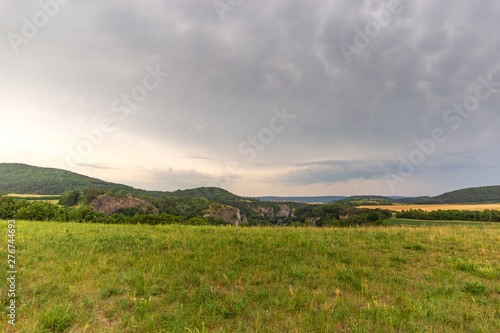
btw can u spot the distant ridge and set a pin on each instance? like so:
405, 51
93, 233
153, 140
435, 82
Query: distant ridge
318, 199
328, 198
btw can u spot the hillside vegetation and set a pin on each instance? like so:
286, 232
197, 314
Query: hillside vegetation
130, 278
485, 194
253, 209
199, 203
183, 210
26, 179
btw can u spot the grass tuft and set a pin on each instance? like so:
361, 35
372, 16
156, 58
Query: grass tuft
57, 319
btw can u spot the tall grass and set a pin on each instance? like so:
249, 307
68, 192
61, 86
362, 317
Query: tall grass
137, 278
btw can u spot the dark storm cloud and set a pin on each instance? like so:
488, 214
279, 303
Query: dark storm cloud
226, 77
327, 172
332, 171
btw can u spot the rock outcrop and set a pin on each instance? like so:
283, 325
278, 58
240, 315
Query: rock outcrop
109, 205
226, 213
267, 211
285, 211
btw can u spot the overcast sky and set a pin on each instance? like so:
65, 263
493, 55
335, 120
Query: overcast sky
283, 97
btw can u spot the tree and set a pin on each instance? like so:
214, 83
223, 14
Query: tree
69, 198
91, 194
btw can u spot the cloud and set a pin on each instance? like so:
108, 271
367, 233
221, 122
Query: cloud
198, 157
332, 171
173, 179
95, 166
226, 77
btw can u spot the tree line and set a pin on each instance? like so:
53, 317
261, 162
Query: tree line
450, 215
183, 210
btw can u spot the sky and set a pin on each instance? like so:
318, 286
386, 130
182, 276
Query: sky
282, 97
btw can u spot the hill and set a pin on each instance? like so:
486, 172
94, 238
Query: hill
251, 208
485, 194
26, 179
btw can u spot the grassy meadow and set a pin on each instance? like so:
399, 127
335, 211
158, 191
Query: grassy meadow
413, 222
140, 278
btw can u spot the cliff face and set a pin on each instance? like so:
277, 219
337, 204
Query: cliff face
226, 213
109, 205
284, 211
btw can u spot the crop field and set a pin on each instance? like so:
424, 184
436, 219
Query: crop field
138, 278
32, 195
54, 199
428, 208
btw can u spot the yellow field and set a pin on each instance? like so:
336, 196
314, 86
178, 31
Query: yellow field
55, 201
30, 195
429, 208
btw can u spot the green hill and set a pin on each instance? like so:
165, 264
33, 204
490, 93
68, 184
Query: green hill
250, 207
472, 195
27, 179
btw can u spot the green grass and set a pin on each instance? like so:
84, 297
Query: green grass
411, 222
138, 278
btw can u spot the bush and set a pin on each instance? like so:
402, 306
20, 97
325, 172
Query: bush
7, 208
198, 221
36, 211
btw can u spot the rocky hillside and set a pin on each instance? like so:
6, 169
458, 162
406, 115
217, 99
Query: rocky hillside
283, 211
109, 205
226, 213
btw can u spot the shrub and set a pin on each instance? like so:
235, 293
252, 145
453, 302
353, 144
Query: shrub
36, 211
7, 208
198, 221
56, 320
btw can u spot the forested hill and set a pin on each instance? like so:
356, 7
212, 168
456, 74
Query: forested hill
485, 194
26, 179
471, 195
